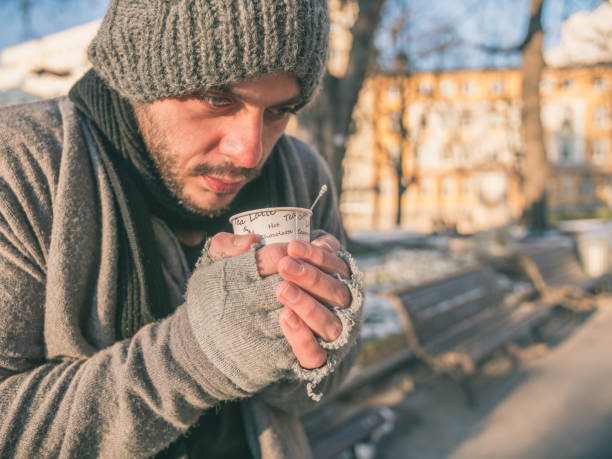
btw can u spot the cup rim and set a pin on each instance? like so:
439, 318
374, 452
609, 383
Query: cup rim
301, 210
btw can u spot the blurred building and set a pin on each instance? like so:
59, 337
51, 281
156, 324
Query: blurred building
46, 67
343, 15
443, 150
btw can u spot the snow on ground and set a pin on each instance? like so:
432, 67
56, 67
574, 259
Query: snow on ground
401, 267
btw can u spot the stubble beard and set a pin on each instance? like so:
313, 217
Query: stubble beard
167, 165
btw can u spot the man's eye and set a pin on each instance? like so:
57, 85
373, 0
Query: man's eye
281, 112
216, 101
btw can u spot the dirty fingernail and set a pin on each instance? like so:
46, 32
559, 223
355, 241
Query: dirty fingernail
290, 292
293, 267
324, 245
292, 319
300, 249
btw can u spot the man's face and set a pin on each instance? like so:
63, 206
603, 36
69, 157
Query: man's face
207, 146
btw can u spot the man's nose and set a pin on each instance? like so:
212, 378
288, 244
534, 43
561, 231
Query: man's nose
242, 144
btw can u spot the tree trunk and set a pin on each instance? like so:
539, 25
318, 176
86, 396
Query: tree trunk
535, 166
328, 118
399, 164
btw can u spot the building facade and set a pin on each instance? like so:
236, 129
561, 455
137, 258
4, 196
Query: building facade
442, 151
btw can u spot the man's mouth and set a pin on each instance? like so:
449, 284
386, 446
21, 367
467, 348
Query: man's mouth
223, 185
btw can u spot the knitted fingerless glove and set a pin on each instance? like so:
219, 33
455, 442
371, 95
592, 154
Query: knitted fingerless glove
233, 313
234, 316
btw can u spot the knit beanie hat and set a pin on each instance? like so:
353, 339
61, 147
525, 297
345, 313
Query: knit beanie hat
152, 49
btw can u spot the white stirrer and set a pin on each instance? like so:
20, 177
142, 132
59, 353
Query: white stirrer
321, 193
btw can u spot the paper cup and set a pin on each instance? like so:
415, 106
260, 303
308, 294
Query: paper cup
274, 224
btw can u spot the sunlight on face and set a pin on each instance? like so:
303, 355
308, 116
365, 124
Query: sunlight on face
207, 146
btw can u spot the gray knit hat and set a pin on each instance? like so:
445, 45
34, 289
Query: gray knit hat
151, 49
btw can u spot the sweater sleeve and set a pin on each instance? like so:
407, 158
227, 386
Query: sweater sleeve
129, 400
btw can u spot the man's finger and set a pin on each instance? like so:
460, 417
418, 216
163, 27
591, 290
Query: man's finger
318, 257
327, 242
267, 258
325, 288
316, 316
302, 341
224, 245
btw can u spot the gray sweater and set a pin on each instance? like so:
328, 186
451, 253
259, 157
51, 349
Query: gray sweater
67, 389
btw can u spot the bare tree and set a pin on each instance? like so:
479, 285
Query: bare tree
536, 169
401, 70
25, 7
328, 118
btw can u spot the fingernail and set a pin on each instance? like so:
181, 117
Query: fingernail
324, 245
293, 267
300, 249
290, 292
292, 319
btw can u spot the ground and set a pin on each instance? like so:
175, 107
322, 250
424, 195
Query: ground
546, 399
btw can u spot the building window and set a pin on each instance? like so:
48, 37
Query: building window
468, 88
448, 185
395, 120
420, 154
601, 150
426, 188
566, 188
394, 93
602, 117
467, 186
462, 154
567, 83
425, 88
497, 87
588, 187
395, 151
495, 118
386, 186
547, 85
567, 140
423, 121
466, 119
448, 88
601, 83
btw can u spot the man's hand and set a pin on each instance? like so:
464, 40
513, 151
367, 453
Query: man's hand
308, 291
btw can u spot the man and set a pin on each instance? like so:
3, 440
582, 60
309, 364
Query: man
132, 323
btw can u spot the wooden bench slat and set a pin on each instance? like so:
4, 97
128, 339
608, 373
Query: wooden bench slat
503, 330
559, 266
327, 442
465, 314
435, 325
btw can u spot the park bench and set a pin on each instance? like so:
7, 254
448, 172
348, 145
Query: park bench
341, 422
455, 323
339, 426
345, 421
452, 324
557, 274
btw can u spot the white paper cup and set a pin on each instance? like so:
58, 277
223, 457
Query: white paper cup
274, 224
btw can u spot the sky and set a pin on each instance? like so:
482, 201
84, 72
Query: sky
46, 17
495, 22
500, 23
